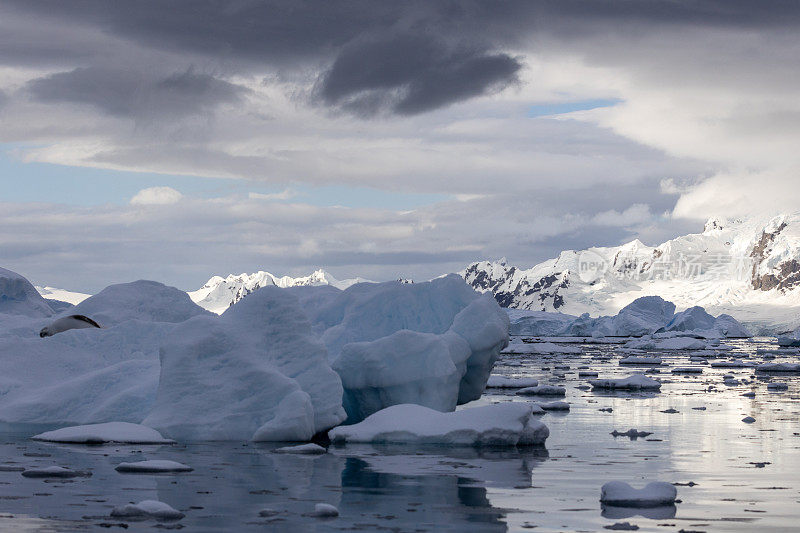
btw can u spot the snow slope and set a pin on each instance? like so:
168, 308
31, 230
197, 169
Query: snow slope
749, 269
220, 293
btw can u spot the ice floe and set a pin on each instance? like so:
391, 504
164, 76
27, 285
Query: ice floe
153, 466
147, 509
120, 432
506, 382
503, 424
632, 382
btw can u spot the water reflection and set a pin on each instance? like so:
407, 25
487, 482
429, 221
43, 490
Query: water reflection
374, 487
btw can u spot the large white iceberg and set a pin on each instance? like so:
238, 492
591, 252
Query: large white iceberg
503, 424
256, 372
432, 343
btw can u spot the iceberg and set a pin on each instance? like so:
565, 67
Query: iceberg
432, 343
257, 372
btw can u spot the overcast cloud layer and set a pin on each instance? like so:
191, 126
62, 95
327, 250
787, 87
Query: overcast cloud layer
407, 97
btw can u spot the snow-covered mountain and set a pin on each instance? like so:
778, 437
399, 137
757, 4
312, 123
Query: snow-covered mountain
749, 269
62, 295
220, 293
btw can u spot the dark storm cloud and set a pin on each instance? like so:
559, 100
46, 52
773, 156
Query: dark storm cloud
127, 93
402, 57
411, 74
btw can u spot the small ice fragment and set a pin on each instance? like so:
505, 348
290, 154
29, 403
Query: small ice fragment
555, 406
153, 466
748, 420
655, 494
632, 433
54, 471
777, 386
303, 449
325, 510
543, 390
622, 526
148, 509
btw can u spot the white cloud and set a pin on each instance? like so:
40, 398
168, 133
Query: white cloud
285, 194
156, 196
635, 214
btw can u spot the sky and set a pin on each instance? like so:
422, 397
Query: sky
179, 140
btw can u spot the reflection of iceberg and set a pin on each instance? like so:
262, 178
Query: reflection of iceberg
427, 500
509, 468
654, 513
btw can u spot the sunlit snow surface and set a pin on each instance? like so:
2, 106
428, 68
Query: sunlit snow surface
744, 475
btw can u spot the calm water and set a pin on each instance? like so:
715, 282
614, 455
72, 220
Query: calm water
745, 477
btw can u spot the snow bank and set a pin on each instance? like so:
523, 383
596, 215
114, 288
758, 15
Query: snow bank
432, 343
19, 297
256, 372
632, 382
504, 424
122, 432
655, 494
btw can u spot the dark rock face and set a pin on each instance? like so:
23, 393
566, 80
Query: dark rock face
787, 274
511, 292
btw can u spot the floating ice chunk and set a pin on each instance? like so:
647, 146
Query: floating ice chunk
324, 510
777, 386
655, 494
622, 526
735, 363
54, 472
503, 424
147, 509
506, 382
640, 360
748, 420
687, 370
153, 466
587, 374
256, 372
122, 432
631, 433
543, 390
632, 382
303, 449
555, 406
779, 367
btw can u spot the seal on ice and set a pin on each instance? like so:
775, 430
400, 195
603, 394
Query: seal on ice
68, 322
